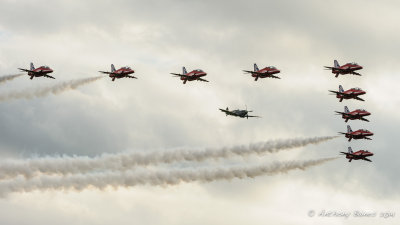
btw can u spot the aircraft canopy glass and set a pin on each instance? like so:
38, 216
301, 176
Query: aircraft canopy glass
198, 70
272, 67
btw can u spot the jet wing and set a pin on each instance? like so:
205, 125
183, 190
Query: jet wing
343, 113
355, 73
336, 92
367, 159
48, 76
335, 68
364, 119
272, 76
248, 71
25, 70
201, 79
179, 75
105, 72
131, 76
360, 99
261, 74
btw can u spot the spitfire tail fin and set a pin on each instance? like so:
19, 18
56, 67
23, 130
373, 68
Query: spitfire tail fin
112, 68
346, 110
336, 64
341, 88
350, 150
184, 72
32, 66
255, 68
349, 130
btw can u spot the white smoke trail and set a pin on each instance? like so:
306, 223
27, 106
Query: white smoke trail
6, 78
55, 89
124, 161
129, 178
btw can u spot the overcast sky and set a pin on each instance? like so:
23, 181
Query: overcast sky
157, 112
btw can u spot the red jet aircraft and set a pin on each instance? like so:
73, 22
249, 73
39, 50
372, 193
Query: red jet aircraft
360, 154
268, 71
352, 93
38, 72
120, 73
348, 68
193, 75
357, 114
358, 134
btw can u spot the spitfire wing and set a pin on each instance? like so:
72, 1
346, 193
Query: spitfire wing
254, 116
225, 111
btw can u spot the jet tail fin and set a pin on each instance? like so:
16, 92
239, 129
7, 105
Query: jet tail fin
255, 68
341, 88
350, 150
184, 72
346, 110
349, 130
32, 66
112, 68
336, 64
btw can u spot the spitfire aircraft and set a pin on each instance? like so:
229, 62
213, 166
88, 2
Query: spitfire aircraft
360, 154
352, 93
191, 76
357, 114
38, 72
358, 134
243, 113
120, 73
268, 71
348, 68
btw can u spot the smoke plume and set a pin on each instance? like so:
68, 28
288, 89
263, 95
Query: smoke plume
6, 78
124, 161
55, 89
162, 178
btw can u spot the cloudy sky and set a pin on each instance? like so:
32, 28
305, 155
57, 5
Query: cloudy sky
158, 113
